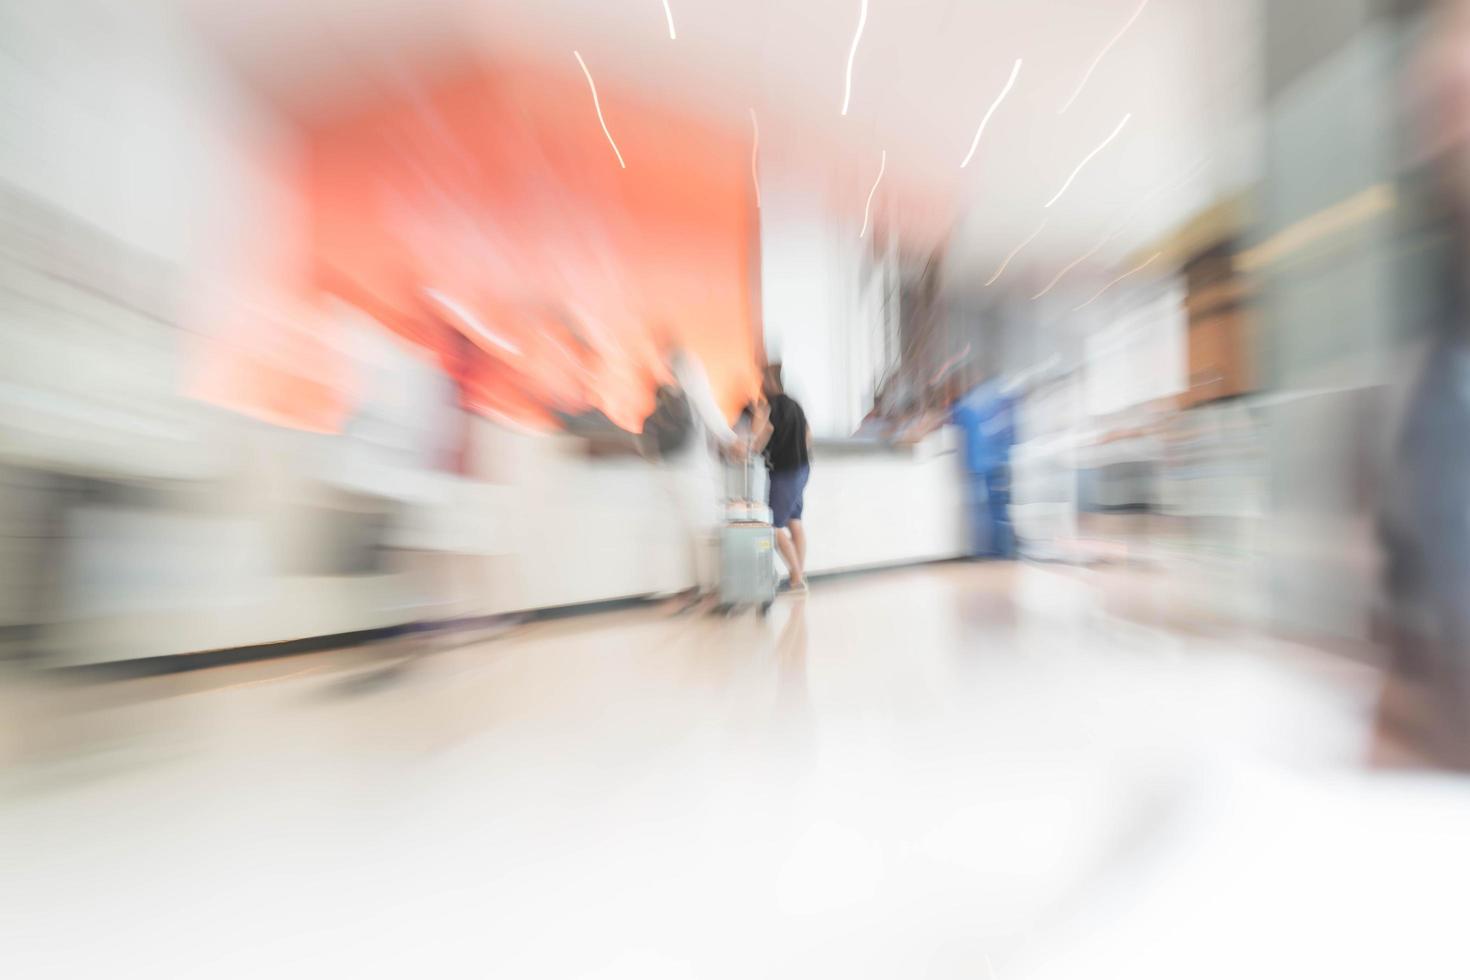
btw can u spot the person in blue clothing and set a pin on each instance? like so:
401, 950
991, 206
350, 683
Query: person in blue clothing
986, 416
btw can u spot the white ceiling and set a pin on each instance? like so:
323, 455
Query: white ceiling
924, 74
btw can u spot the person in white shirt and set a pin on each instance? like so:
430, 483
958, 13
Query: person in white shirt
695, 472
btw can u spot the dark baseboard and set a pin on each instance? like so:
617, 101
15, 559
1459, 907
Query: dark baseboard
176, 663
589, 608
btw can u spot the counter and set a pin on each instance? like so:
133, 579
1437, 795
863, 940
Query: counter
542, 524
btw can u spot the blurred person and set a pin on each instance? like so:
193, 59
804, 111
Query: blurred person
787, 449
1426, 520
985, 417
670, 426
690, 435
710, 422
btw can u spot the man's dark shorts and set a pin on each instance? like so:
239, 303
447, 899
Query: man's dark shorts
788, 487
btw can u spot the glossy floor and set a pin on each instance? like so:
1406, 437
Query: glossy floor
948, 771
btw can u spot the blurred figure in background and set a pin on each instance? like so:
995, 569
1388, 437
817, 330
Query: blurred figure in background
669, 427
1427, 520
691, 436
692, 379
986, 417
787, 451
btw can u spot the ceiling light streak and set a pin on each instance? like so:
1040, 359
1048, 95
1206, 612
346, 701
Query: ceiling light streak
1136, 269
1016, 251
1100, 56
1076, 262
755, 148
669, 15
1016, 70
1133, 214
1087, 159
868, 208
852, 53
598, 106
1122, 226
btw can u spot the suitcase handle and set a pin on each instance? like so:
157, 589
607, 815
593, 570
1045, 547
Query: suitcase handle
749, 447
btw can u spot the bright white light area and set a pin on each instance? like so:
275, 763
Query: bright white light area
831, 867
669, 16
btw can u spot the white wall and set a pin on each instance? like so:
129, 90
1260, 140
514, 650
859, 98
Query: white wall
822, 313
132, 125
152, 191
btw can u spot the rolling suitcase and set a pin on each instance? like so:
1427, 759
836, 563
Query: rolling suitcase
747, 551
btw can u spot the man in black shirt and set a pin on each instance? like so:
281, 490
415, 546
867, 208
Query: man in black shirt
787, 455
